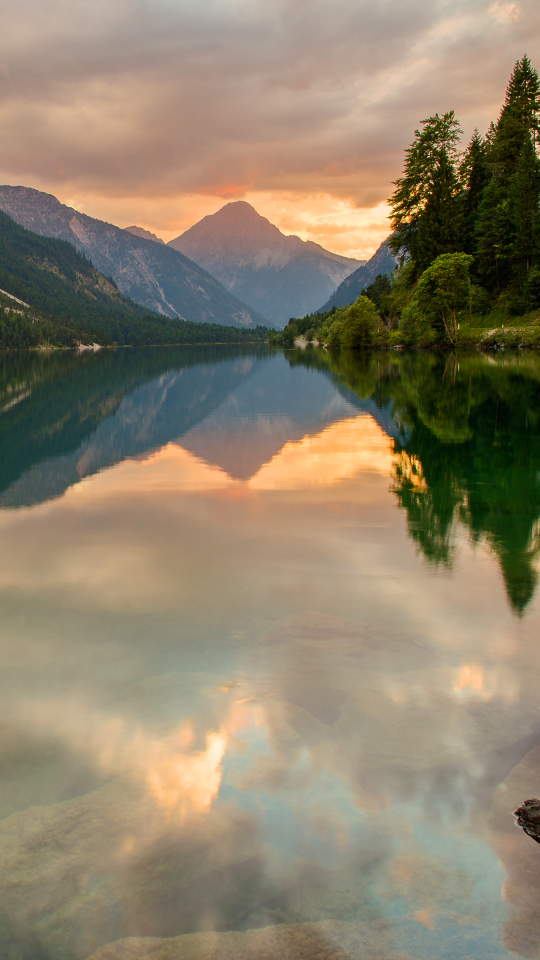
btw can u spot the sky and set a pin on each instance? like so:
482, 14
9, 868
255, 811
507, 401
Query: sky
157, 112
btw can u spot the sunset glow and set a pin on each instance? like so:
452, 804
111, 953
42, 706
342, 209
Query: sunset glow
338, 453
302, 112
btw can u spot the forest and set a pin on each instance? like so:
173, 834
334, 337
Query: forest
66, 301
466, 231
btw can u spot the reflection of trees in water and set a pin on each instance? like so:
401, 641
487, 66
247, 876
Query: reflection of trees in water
475, 435
468, 450
431, 518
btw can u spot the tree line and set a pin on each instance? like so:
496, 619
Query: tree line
466, 231
71, 302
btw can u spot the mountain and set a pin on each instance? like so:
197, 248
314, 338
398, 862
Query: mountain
152, 274
145, 234
382, 261
50, 294
279, 276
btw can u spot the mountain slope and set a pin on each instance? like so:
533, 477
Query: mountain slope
382, 261
50, 293
154, 275
145, 234
279, 276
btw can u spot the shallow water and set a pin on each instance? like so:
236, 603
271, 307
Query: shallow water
269, 655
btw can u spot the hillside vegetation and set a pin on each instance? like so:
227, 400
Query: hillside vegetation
466, 231
66, 301
155, 276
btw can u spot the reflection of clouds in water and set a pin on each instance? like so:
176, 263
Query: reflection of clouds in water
174, 777
471, 677
146, 853
520, 857
108, 864
180, 765
337, 742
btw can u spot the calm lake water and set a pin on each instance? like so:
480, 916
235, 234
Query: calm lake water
269, 655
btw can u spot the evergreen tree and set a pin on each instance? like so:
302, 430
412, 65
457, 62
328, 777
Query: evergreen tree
475, 174
518, 120
506, 228
524, 191
493, 231
439, 228
426, 202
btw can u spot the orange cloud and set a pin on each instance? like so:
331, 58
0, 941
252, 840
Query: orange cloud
156, 113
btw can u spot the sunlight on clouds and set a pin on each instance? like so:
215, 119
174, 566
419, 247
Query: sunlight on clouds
338, 225
157, 114
505, 11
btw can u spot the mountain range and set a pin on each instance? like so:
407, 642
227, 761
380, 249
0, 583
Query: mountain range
383, 261
233, 267
52, 296
152, 274
279, 276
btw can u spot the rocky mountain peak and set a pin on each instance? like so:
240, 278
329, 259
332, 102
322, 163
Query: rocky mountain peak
144, 234
281, 276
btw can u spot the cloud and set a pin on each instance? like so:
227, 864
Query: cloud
170, 100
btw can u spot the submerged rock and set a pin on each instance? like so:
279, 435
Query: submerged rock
528, 818
303, 941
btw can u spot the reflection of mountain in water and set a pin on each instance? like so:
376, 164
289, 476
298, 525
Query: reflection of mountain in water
51, 406
271, 409
467, 440
236, 411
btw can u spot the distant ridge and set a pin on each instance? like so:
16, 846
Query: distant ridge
152, 274
50, 294
144, 234
279, 276
383, 261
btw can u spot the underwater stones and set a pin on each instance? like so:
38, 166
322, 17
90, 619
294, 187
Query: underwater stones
519, 859
329, 940
528, 818
110, 864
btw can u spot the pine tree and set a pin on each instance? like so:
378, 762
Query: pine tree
439, 228
475, 174
426, 202
506, 228
494, 236
524, 195
518, 120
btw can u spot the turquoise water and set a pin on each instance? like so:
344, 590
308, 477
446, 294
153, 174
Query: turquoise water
269, 655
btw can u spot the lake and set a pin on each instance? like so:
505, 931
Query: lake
269, 655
